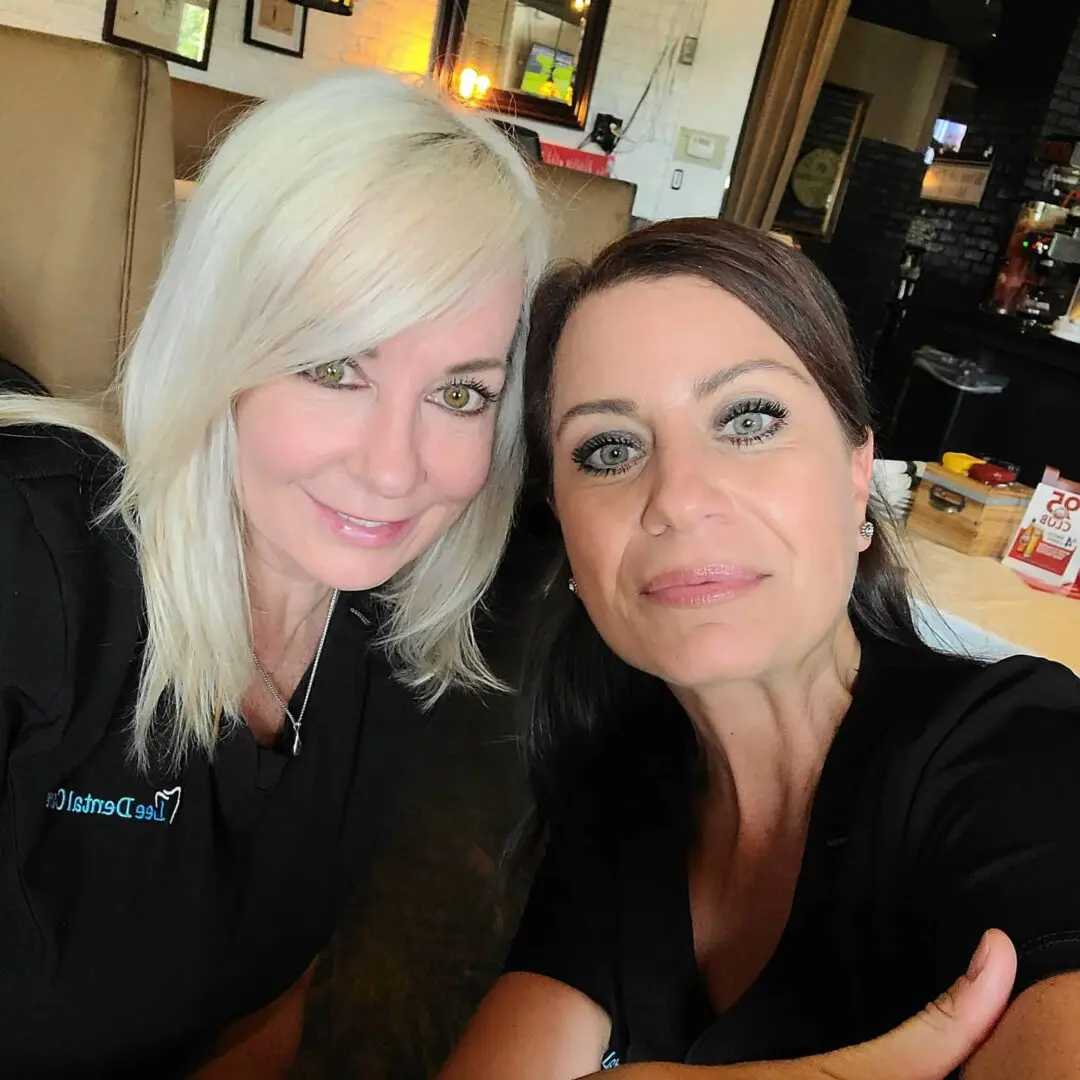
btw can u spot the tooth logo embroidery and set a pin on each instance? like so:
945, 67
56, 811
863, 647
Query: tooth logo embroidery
162, 810
167, 801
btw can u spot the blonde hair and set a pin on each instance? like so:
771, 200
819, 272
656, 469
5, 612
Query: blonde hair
327, 221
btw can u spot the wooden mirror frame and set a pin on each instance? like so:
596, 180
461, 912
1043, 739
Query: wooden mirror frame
446, 49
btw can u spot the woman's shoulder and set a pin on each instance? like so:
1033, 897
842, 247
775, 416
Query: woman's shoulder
36, 453
63, 479
932, 690
65, 577
1024, 704
952, 717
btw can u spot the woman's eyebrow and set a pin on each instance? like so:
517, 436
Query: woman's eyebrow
709, 384
703, 388
611, 406
482, 364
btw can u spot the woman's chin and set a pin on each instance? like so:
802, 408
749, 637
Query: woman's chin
710, 655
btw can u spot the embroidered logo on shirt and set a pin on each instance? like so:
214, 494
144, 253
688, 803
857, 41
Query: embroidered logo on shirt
611, 1061
162, 809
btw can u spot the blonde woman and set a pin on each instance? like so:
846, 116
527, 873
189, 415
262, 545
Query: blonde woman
216, 621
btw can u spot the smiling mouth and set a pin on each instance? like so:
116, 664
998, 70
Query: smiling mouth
368, 523
364, 531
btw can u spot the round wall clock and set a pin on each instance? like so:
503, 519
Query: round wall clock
814, 176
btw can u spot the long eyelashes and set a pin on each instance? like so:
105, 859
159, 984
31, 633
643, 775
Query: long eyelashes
741, 424
607, 454
756, 427
484, 392
335, 375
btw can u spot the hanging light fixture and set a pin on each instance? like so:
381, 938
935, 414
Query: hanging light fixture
335, 7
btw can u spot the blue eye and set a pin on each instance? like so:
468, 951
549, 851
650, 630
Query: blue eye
607, 454
751, 421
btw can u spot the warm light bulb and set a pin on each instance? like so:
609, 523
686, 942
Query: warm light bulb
579, 5
471, 84
467, 81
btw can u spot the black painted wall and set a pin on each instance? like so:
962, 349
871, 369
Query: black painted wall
1015, 111
863, 258
1029, 89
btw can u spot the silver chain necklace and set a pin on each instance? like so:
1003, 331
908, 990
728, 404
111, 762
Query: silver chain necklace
296, 721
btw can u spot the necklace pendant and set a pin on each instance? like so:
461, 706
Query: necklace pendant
297, 745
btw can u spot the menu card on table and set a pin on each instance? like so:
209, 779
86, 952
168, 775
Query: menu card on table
1045, 548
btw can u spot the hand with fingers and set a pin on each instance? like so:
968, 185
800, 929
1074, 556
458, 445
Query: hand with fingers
929, 1046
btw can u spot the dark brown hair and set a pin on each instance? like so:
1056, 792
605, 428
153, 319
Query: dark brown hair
576, 682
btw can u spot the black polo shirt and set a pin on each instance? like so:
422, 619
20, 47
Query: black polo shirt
140, 914
949, 803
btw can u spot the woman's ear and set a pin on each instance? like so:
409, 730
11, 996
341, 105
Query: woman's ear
862, 475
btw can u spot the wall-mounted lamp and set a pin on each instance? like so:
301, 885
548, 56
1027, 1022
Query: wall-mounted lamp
335, 7
471, 84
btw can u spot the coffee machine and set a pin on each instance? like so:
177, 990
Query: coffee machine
1039, 275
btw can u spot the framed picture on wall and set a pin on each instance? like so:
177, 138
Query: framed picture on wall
178, 30
277, 25
819, 178
956, 181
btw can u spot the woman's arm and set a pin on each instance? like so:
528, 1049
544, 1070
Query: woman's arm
1038, 1037
533, 1028
262, 1046
530, 1027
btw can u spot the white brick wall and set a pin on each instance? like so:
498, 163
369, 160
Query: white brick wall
396, 34
709, 96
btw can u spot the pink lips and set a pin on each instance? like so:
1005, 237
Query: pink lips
361, 532
701, 585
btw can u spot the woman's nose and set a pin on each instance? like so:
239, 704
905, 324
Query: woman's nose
688, 485
387, 459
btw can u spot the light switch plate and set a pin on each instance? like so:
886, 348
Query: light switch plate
701, 148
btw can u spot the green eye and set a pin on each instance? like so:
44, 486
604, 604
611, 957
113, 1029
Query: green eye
331, 373
457, 397
466, 398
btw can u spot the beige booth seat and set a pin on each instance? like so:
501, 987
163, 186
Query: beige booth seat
587, 212
93, 137
85, 202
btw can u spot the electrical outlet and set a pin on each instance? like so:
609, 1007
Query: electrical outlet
606, 131
688, 50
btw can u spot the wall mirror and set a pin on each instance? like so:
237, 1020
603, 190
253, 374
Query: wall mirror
529, 59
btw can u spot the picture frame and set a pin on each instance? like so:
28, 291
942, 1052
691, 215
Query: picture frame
815, 191
447, 59
956, 181
177, 30
276, 25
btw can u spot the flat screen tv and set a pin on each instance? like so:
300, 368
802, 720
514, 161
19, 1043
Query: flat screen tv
549, 73
949, 134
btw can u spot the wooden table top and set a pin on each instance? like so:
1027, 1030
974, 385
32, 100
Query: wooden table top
985, 593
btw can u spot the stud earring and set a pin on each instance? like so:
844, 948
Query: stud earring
866, 530
572, 586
